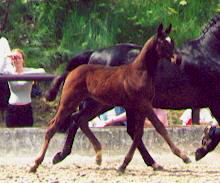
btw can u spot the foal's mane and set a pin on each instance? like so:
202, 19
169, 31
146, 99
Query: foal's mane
148, 50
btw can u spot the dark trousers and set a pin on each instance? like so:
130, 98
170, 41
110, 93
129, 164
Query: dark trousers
19, 116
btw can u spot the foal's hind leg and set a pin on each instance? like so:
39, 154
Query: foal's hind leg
160, 128
66, 107
51, 130
88, 111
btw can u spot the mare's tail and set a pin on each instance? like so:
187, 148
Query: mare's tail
82, 58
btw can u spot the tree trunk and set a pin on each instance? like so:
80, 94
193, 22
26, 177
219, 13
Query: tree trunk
5, 19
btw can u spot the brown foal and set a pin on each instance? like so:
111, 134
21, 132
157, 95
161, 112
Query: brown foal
130, 86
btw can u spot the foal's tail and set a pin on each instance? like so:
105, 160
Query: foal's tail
55, 86
82, 58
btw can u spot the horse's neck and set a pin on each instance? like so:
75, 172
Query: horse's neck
209, 41
148, 57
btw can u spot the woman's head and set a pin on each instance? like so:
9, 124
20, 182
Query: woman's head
20, 52
17, 58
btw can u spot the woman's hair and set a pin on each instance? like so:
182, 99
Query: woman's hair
21, 52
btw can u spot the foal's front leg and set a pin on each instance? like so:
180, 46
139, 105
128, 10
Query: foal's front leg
149, 161
160, 128
138, 133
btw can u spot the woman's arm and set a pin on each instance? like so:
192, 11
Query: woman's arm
5, 62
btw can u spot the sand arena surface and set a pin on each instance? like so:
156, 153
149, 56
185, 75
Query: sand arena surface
78, 168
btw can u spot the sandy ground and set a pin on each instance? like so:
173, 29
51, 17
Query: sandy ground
78, 168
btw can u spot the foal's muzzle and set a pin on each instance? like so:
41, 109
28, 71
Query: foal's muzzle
176, 58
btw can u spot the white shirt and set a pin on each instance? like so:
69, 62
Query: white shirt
21, 90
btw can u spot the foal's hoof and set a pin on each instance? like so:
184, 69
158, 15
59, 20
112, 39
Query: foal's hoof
33, 169
57, 158
187, 160
99, 161
200, 153
99, 157
121, 169
157, 167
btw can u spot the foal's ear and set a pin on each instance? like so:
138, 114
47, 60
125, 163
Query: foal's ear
168, 29
160, 29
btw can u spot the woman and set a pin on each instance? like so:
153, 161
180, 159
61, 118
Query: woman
19, 111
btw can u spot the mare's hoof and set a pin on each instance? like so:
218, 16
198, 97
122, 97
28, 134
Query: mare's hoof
206, 138
57, 158
187, 160
200, 153
209, 142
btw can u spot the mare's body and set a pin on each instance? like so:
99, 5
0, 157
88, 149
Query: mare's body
120, 86
196, 83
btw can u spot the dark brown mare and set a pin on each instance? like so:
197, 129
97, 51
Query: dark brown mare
130, 86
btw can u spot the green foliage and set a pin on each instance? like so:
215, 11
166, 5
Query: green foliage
48, 28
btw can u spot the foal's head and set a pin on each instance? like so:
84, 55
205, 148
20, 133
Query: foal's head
164, 44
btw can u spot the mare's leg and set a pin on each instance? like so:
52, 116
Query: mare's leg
138, 119
141, 147
2, 115
211, 135
160, 128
